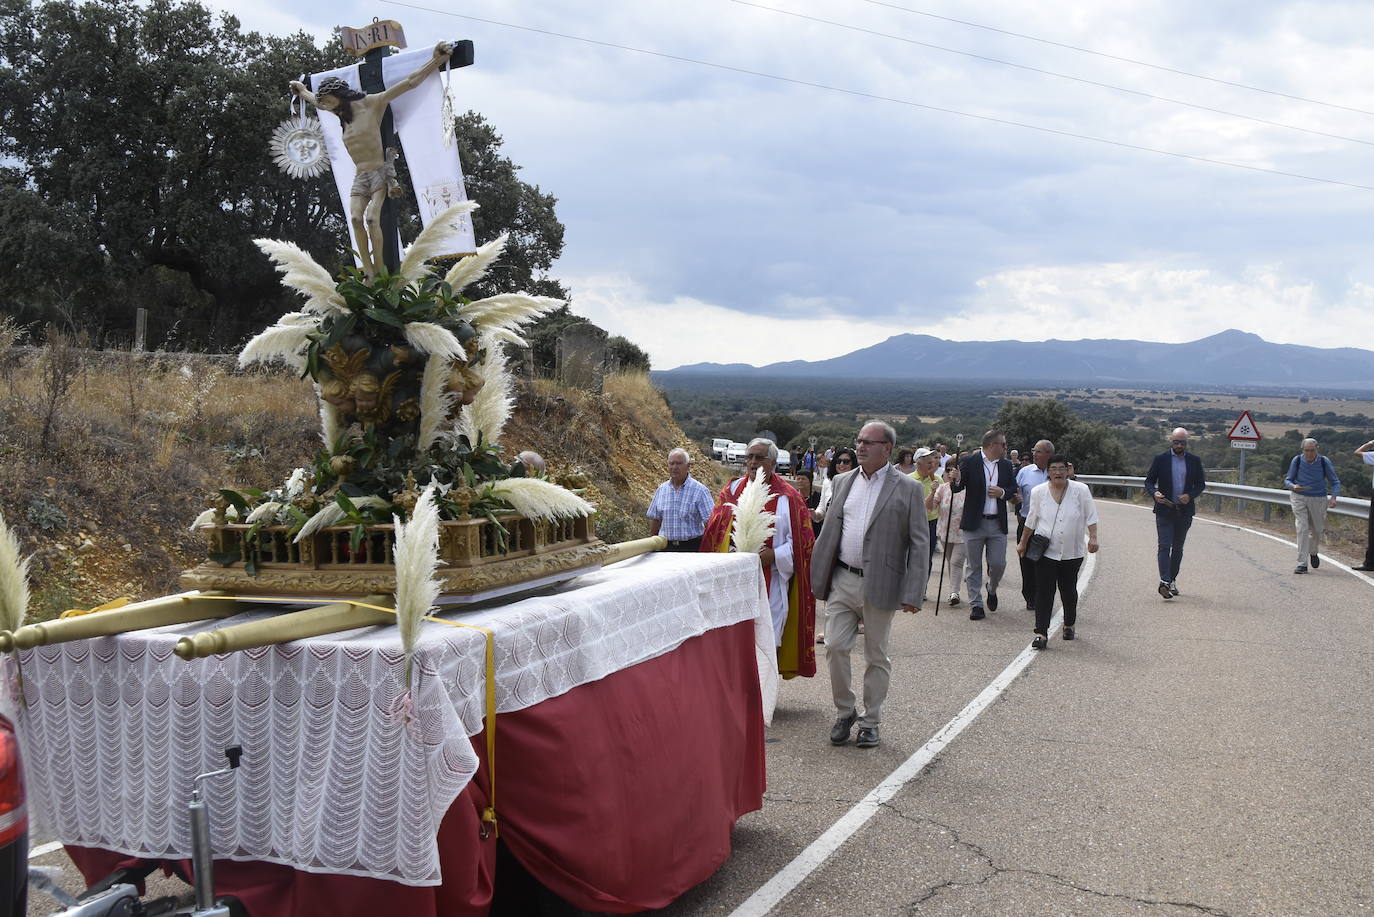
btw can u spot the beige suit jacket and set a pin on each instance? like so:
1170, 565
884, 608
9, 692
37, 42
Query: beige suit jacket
896, 544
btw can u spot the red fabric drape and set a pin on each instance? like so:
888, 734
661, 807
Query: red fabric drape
618, 796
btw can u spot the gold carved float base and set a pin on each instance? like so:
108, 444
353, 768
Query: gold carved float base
478, 559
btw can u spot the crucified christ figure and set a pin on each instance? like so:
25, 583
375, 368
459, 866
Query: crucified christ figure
361, 116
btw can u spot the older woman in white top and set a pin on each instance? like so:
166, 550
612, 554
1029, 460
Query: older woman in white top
1063, 510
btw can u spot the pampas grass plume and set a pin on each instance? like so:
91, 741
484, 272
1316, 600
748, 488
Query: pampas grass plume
431, 241
435, 340
417, 557
14, 580
536, 498
487, 415
475, 266
753, 523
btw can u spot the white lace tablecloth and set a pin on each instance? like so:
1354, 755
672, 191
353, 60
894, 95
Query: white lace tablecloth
332, 779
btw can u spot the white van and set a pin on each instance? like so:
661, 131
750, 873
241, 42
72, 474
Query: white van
784, 465
718, 447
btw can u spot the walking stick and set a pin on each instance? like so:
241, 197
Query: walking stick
944, 555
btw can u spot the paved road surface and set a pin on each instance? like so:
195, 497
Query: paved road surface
1208, 755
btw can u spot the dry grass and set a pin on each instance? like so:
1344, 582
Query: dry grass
137, 443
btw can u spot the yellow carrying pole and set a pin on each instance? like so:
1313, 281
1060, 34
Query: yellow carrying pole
295, 625
159, 612
627, 549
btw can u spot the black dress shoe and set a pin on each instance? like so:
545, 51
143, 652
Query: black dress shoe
839, 733
976, 613
992, 600
1068, 633
867, 737
1365, 567
1316, 561
1039, 643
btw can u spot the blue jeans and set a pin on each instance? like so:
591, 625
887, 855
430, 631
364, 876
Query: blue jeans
1172, 527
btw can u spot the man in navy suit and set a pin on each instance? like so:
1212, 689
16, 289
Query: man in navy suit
1175, 482
989, 480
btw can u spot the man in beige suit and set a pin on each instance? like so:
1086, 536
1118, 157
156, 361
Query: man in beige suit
871, 559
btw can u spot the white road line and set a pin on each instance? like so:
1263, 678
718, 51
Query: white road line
809, 860
44, 849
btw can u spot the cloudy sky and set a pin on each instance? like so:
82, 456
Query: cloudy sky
795, 179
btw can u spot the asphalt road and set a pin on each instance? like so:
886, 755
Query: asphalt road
1211, 754
1207, 755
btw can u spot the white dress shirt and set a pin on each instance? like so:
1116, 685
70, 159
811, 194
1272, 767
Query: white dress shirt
1066, 523
990, 478
858, 507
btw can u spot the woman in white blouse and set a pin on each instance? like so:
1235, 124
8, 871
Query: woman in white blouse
1064, 511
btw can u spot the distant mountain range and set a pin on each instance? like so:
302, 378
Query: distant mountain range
1231, 358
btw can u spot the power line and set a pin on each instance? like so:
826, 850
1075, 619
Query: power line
1062, 76
881, 98
1124, 60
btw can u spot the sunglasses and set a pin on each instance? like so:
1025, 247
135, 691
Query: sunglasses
1178, 442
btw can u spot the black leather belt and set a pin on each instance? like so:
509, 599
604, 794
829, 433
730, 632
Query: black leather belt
857, 571
696, 540
992, 516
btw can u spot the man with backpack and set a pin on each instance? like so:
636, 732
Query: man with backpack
1308, 476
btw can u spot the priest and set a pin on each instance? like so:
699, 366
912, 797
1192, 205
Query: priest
786, 558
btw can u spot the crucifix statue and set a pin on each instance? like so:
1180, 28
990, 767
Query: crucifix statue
360, 115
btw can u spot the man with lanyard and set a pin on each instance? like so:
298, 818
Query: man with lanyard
1175, 481
786, 557
680, 506
988, 479
1026, 480
926, 463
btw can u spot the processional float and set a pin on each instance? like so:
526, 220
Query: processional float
408, 503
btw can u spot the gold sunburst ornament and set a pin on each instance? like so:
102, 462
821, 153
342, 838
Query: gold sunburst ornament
298, 145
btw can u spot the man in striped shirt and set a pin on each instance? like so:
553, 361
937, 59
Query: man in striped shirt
680, 506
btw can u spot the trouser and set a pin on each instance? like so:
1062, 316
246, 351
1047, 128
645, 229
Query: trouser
1309, 516
990, 539
1369, 540
1172, 528
954, 558
845, 608
1027, 568
686, 546
934, 540
1051, 575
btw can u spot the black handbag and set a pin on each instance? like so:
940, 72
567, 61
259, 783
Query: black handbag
1038, 544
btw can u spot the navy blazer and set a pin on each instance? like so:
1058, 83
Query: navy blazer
972, 482
1161, 480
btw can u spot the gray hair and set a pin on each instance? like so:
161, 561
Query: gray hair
888, 430
1309, 440
772, 447
682, 452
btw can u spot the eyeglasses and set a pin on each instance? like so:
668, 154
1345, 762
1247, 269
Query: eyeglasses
1178, 442
869, 442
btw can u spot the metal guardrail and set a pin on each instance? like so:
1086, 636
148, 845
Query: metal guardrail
1345, 506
